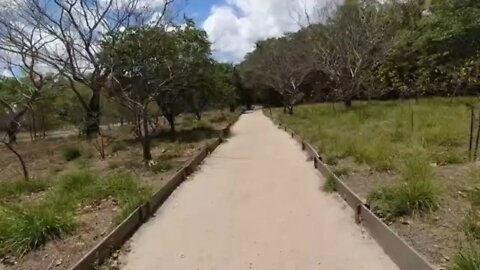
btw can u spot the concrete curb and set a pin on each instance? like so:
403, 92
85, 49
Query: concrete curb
115, 239
394, 246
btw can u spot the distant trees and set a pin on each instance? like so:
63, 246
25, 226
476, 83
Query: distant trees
373, 49
281, 64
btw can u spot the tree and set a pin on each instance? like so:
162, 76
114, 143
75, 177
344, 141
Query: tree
74, 30
281, 64
138, 60
18, 95
186, 65
350, 43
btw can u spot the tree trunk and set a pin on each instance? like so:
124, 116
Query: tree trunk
290, 109
34, 124
348, 102
171, 122
20, 159
92, 127
147, 155
198, 115
232, 108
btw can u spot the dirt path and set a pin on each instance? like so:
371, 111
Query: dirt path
256, 203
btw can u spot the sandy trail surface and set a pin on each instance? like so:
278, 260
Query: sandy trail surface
256, 203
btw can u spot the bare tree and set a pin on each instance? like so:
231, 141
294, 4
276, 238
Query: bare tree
22, 92
75, 30
349, 43
282, 64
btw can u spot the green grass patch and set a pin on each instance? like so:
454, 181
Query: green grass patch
70, 153
28, 225
20, 187
380, 133
330, 185
468, 259
418, 193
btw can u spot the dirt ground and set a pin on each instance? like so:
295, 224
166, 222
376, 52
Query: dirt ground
436, 235
44, 160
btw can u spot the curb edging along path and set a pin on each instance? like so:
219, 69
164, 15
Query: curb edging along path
115, 239
394, 246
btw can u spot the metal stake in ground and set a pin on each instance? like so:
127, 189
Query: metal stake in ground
472, 120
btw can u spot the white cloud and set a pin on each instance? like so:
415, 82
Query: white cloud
6, 73
235, 26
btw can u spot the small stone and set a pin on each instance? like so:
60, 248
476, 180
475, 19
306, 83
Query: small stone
462, 194
406, 222
436, 218
58, 262
446, 258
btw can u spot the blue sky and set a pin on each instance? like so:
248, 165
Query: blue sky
200, 9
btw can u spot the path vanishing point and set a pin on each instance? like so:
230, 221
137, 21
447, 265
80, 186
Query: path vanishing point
255, 203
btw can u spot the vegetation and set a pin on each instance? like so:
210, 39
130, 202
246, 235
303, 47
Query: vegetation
440, 131
70, 153
418, 193
467, 260
330, 185
27, 225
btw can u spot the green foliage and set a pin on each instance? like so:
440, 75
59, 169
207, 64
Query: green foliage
28, 225
70, 153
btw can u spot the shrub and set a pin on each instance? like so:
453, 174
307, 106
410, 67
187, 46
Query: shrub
330, 185
468, 259
70, 153
418, 193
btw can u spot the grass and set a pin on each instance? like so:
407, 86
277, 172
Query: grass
468, 259
330, 185
70, 153
418, 193
28, 225
20, 187
380, 133
119, 146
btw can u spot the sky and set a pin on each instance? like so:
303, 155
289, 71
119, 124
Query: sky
234, 26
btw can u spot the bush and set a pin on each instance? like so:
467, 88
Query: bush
330, 185
468, 259
70, 153
418, 193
